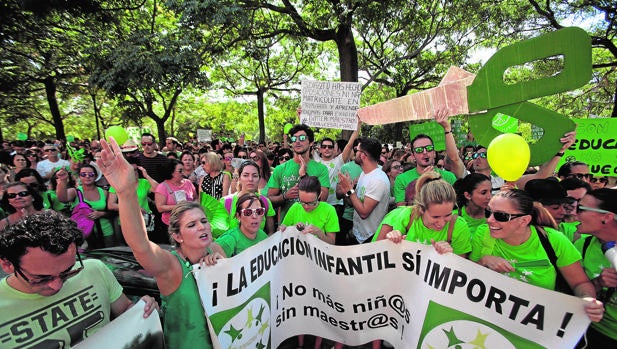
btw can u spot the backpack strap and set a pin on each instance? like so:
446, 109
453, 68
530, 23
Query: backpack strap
561, 285
586, 245
80, 195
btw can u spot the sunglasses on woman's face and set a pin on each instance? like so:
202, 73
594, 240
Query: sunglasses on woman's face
502, 216
285, 158
21, 194
87, 174
247, 212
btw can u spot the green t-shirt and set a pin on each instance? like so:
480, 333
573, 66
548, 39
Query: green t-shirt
354, 171
285, 176
593, 263
541, 273
472, 223
234, 241
143, 189
185, 323
402, 181
568, 229
399, 219
323, 217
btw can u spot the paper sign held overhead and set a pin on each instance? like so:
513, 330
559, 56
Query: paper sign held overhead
328, 104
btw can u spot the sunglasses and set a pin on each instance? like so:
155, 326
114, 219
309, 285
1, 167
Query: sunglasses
247, 212
601, 180
310, 203
300, 138
87, 174
243, 157
589, 176
420, 150
228, 158
47, 279
147, 144
502, 216
397, 167
479, 155
327, 146
580, 208
50, 150
21, 194
285, 158
255, 158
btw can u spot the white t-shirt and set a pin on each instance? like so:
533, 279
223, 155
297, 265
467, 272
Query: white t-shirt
375, 185
45, 167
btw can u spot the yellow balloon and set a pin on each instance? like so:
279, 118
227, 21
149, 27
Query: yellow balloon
119, 134
508, 155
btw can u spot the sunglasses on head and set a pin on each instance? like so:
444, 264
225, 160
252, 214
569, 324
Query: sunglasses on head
589, 176
481, 154
502, 216
300, 138
87, 174
20, 194
419, 150
327, 146
247, 212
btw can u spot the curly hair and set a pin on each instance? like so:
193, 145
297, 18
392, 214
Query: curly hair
50, 231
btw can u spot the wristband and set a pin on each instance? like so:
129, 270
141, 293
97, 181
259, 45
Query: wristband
560, 154
447, 132
349, 193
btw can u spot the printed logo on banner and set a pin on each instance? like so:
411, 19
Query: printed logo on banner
245, 324
447, 328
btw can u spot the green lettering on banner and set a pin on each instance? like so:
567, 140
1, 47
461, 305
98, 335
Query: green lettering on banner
596, 145
489, 91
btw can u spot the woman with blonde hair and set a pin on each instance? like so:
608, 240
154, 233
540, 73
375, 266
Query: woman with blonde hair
215, 182
430, 219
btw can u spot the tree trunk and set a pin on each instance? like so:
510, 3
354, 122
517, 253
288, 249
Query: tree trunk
348, 59
52, 101
261, 115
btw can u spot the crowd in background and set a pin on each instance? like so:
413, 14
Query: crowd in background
343, 192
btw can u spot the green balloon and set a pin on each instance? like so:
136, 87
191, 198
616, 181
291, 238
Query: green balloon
287, 127
119, 134
70, 139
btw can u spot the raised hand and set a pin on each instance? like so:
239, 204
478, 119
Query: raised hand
118, 172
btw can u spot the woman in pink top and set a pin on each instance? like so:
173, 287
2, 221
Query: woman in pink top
174, 189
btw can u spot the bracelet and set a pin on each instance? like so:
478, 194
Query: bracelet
447, 132
560, 154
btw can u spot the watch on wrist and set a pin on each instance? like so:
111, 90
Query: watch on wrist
349, 192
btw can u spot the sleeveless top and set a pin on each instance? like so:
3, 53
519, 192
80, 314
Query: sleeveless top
213, 186
185, 320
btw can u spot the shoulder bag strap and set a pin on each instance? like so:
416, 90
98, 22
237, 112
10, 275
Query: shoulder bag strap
451, 227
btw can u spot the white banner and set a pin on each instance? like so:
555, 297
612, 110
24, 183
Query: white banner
404, 293
129, 330
329, 104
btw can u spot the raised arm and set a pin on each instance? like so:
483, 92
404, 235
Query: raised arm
155, 260
458, 168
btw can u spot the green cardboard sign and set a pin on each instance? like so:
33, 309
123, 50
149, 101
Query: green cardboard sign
431, 129
554, 124
504, 123
596, 145
489, 91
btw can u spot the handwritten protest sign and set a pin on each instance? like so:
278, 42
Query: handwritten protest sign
129, 330
204, 135
404, 293
596, 145
329, 104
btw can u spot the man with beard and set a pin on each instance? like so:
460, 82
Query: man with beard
423, 151
283, 184
371, 194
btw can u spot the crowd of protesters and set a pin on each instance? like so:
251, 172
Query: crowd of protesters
344, 193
